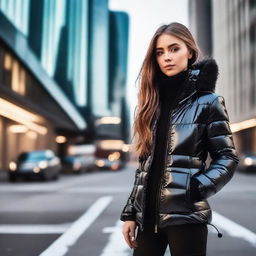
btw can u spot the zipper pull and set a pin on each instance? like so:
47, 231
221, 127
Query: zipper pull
155, 228
219, 234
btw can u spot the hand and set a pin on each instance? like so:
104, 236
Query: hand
129, 233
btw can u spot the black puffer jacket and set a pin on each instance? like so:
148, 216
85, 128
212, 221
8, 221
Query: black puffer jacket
198, 124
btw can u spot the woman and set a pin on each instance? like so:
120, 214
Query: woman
179, 120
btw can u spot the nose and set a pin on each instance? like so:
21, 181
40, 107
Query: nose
167, 56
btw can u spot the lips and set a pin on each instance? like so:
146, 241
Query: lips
169, 66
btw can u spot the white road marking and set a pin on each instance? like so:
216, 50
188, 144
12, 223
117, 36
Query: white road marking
116, 245
34, 229
233, 229
61, 246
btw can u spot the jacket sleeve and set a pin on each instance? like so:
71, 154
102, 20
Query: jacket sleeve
220, 145
128, 212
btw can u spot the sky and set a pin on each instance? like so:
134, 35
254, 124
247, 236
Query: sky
145, 17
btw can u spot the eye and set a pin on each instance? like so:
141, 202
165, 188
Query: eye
158, 53
175, 49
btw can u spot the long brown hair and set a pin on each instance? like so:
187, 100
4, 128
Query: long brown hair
148, 98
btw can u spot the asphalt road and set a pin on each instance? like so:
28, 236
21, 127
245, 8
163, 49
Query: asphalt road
78, 215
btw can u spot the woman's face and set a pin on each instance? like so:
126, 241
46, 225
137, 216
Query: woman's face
172, 54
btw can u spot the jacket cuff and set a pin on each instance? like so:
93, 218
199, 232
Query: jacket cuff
128, 212
125, 218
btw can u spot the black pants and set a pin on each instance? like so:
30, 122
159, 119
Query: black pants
183, 240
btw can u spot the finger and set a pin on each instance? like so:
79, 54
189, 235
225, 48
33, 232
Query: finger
133, 240
127, 238
132, 237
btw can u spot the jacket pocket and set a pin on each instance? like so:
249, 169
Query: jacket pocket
189, 191
175, 194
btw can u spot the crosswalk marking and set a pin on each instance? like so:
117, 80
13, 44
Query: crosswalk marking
233, 229
61, 246
116, 245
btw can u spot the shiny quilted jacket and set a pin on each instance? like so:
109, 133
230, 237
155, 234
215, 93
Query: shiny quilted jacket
198, 124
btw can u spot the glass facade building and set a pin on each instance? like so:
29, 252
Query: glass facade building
118, 58
33, 109
98, 56
62, 66
61, 43
17, 12
231, 30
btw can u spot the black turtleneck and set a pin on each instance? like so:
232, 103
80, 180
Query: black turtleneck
169, 87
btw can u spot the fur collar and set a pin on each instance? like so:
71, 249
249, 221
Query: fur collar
207, 76
202, 76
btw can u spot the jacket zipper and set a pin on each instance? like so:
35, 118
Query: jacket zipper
160, 185
164, 166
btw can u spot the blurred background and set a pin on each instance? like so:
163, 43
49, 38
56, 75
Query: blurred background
68, 94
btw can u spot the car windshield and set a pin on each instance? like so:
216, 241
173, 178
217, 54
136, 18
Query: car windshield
32, 156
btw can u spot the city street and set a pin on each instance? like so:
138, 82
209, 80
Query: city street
86, 84
78, 215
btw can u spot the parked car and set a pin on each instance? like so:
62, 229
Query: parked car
105, 163
77, 163
109, 154
247, 162
40, 163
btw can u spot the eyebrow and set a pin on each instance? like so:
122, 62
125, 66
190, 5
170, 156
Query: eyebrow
159, 48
